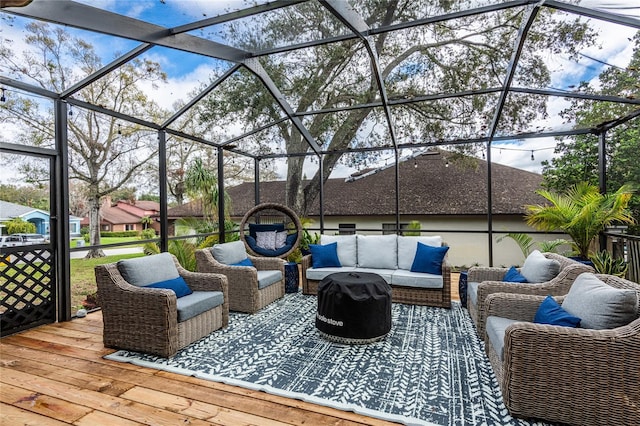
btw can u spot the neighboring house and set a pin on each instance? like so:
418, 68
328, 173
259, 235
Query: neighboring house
447, 198
126, 215
39, 218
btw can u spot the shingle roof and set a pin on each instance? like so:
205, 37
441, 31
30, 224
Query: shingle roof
147, 205
427, 187
11, 210
118, 216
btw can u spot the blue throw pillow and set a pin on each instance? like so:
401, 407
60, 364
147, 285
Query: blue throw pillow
428, 259
325, 256
245, 262
513, 276
178, 285
550, 312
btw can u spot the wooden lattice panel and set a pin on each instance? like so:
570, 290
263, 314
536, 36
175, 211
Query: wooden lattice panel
26, 288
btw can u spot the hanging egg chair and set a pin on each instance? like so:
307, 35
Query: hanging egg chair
271, 230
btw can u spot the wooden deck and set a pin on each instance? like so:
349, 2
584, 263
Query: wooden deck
55, 375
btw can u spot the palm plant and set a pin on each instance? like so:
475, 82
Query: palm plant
582, 212
526, 243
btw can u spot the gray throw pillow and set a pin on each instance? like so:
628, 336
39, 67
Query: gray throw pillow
229, 253
598, 305
539, 269
142, 271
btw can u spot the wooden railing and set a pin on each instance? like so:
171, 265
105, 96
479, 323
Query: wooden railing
627, 247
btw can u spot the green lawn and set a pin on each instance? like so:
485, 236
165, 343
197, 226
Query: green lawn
113, 240
83, 280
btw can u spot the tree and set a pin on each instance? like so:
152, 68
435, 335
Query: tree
578, 155
20, 226
447, 57
201, 184
104, 153
32, 196
582, 212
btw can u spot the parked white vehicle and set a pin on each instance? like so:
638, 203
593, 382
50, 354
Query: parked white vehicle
33, 238
14, 240
11, 241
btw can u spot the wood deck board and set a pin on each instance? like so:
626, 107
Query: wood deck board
56, 374
62, 363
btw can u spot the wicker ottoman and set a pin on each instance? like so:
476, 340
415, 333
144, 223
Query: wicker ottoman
353, 308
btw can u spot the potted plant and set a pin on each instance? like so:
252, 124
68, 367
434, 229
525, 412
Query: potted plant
582, 212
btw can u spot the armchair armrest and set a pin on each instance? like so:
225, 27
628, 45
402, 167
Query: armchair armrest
207, 263
205, 281
268, 263
307, 262
521, 307
589, 370
478, 274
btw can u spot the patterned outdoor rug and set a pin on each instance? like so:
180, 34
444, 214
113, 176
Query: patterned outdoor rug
431, 368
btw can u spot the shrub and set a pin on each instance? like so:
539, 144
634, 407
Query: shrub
148, 234
119, 233
19, 225
604, 263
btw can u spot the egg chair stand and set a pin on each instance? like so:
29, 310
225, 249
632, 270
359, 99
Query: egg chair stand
267, 218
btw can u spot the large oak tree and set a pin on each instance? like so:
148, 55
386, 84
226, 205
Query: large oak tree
105, 154
465, 54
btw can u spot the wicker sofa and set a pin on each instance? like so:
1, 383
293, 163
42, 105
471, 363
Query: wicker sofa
561, 374
251, 288
140, 318
483, 281
391, 257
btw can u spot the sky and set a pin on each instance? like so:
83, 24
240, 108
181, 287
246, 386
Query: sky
185, 71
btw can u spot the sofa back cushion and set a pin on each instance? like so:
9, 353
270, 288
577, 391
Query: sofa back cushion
229, 253
377, 251
407, 247
599, 305
142, 271
538, 269
347, 253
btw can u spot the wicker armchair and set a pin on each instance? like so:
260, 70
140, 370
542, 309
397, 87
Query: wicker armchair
562, 374
490, 281
146, 319
244, 292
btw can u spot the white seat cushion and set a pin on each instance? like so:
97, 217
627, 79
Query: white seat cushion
384, 273
318, 274
266, 278
496, 328
416, 279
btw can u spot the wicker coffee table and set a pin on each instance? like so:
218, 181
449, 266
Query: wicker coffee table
353, 308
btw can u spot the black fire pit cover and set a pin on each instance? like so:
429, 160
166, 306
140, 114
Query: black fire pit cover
354, 307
